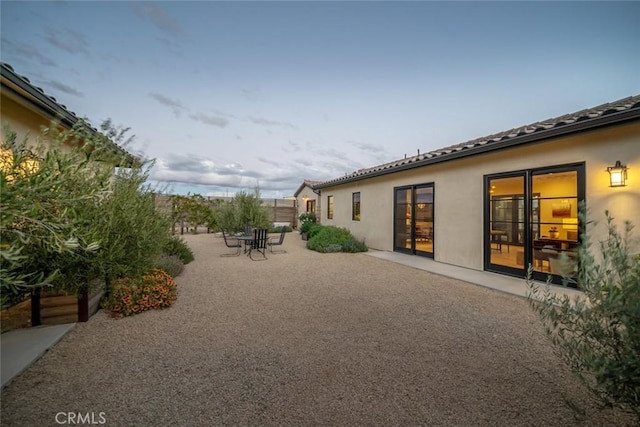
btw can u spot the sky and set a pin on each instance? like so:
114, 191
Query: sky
233, 96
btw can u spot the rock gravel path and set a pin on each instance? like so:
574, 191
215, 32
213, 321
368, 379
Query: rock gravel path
308, 339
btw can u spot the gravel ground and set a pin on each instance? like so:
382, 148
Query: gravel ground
308, 339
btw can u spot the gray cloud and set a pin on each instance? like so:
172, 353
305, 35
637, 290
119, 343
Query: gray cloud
63, 88
66, 39
376, 152
210, 120
175, 105
27, 51
252, 95
269, 162
267, 122
221, 178
159, 18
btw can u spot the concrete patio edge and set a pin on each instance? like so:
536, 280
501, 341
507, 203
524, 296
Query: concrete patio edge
20, 348
499, 282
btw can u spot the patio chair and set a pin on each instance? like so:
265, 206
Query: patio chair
279, 242
231, 243
259, 244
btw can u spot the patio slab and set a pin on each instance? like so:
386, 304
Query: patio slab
22, 347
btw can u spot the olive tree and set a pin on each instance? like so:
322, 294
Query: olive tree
598, 334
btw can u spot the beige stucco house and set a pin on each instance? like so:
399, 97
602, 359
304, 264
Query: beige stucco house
501, 202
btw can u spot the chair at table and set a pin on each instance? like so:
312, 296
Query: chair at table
259, 243
277, 243
231, 243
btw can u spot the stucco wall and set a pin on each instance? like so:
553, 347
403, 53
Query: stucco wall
459, 197
301, 201
22, 121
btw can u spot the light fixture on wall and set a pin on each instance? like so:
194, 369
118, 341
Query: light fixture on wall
617, 175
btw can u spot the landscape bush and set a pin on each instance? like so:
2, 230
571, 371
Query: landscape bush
598, 334
178, 247
307, 220
278, 229
313, 230
129, 296
171, 264
242, 211
329, 238
68, 219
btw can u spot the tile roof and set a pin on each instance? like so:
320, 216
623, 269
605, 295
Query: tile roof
307, 183
612, 112
37, 96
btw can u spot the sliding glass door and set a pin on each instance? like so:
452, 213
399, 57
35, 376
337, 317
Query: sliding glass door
531, 218
413, 219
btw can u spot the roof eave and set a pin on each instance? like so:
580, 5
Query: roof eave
577, 127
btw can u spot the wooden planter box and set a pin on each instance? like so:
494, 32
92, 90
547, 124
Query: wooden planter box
49, 308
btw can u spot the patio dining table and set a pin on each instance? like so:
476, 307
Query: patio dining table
246, 240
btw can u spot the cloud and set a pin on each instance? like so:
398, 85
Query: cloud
252, 95
269, 162
175, 105
66, 39
376, 152
209, 120
211, 176
267, 122
159, 18
63, 88
27, 51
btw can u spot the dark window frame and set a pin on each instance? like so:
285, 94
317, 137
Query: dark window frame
528, 174
356, 206
330, 202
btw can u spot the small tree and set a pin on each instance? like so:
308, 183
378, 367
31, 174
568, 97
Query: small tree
598, 334
244, 210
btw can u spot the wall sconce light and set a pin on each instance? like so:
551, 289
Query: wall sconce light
617, 175
421, 205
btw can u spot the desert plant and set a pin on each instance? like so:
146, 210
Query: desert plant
171, 264
66, 219
178, 247
155, 290
242, 211
598, 334
280, 228
49, 198
328, 238
314, 229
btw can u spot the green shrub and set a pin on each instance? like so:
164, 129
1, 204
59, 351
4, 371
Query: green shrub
171, 264
278, 229
243, 210
178, 247
307, 220
333, 247
314, 229
66, 220
598, 334
329, 238
353, 245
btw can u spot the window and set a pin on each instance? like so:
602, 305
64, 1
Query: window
329, 207
531, 218
355, 206
311, 205
413, 219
